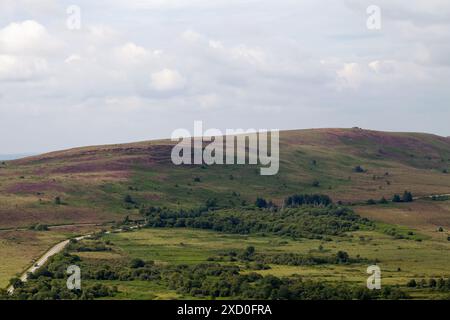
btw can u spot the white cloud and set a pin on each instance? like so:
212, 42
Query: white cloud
72, 58
191, 36
350, 75
167, 80
13, 68
385, 66
250, 55
27, 37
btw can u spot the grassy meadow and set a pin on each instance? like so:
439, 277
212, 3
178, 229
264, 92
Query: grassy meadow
400, 260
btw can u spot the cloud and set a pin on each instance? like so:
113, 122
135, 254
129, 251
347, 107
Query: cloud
24, 47
350, 75
17, 69
149, 66
72, 58
27, 37
382, 66
167, 80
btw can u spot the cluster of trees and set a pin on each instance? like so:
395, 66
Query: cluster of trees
294, 259
289, 259
88, 246
262, 203
301, 222
46, 288
307, 199
297, 200
438, 284
407, 197
49, 283
212, 280
38, 227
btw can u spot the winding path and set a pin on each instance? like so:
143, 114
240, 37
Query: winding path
42, 260
57, 248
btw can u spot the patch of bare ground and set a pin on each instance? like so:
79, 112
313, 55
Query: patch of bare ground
425, 215
35, 187
24, 217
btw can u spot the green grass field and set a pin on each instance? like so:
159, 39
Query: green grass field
400, 260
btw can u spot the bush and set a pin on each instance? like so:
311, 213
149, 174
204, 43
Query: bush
342, 257
396, 198
128, 199
412, 283
39, 227
432, 283
137, 263
407, 197
358, 169
261, 203
307, 199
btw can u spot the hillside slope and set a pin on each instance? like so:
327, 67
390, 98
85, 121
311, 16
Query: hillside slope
91, 183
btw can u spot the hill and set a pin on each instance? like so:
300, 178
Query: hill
90, 184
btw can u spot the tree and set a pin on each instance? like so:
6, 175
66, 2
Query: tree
261, 203
248, 253
432, 283
396, 198
137, 263
211, 203
407, 197
342, 257
16, 282
128, 199
58, 200
412, 283
41, 227
371, 202
383, 201
307, 199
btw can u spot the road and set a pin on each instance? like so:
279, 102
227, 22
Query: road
57, 248
42, 260
433, 195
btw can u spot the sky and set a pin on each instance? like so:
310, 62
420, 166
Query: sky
138, 70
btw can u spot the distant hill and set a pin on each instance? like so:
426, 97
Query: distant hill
92, 182
5, 157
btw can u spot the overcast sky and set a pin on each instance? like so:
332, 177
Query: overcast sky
138, 70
